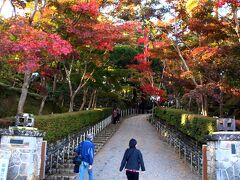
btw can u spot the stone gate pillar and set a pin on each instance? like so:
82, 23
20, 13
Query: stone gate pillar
223, 156
24, 146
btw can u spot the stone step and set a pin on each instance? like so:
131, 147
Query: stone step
102, 136
99, 143
65, 170
65, 176
102, 141
99, 138
69, 161
66, 165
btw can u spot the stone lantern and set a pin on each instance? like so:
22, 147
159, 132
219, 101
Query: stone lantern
24, 119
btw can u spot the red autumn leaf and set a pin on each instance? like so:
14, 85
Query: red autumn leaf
29, 47
90, 8
151, 90
235, 3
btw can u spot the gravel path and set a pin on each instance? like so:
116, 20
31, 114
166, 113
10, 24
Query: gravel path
161, 162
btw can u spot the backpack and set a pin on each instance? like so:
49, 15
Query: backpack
77, 160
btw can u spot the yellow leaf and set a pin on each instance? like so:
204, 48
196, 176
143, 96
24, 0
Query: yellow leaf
37, 16
150, 46
53, 8
29, 5
191, 4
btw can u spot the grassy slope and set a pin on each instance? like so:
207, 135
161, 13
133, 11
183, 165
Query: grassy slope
9, 100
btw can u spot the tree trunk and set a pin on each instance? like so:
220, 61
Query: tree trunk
204, 106
161, 84
34, 11
54, 83
71, 103
62, 102
236, 20
85, 91
73, 94
81, 84
221, 105
42, 104
189, 103
45, 94
177, 103
24, 92
199, 108
177, 100
90, 101
215, 9
94, 99
14, 82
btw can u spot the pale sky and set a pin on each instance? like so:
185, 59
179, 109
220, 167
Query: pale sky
6, 10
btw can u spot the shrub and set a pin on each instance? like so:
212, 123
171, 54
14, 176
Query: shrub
6, 122
170, 116
196, 126
58, 126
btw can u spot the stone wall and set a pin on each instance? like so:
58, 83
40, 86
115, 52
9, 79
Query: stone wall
223, 156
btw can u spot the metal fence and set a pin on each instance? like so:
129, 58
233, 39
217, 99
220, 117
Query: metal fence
187, 149
58, 152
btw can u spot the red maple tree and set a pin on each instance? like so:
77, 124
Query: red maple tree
28, 49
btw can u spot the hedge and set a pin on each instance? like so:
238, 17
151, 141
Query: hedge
58, 126
196, 126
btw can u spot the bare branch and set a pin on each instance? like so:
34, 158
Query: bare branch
34, 11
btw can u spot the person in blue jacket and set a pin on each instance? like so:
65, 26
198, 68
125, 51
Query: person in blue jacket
86, 150
132, 161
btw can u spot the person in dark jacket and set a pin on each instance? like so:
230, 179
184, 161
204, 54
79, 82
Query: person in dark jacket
132, 160
118, 114
114, 116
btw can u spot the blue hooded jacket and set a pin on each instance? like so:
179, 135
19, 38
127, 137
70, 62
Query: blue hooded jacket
86, 150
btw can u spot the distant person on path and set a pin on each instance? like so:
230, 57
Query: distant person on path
114, 116
132, 160
118, 114
86, 150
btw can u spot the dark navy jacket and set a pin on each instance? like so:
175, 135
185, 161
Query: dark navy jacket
86, 150
132, 159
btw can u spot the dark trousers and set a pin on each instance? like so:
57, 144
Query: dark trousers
114, 120
132, 175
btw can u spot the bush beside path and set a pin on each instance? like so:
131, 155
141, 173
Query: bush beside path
161, 162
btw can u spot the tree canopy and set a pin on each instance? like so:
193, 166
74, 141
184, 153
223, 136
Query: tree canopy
175, 53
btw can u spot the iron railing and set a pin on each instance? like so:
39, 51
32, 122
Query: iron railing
187, 149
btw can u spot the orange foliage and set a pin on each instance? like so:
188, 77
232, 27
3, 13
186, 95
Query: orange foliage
204, 53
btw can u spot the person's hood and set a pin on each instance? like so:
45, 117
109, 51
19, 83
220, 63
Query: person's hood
132, 143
